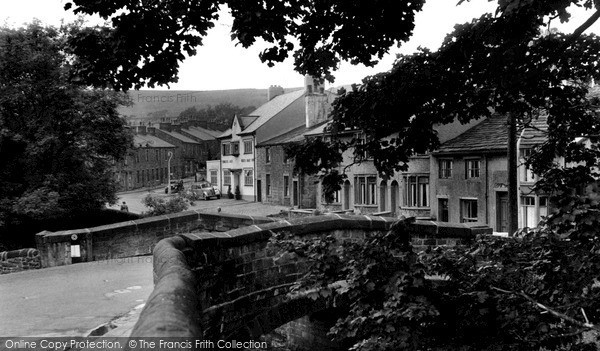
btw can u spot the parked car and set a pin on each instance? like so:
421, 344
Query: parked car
205, 191
176, 186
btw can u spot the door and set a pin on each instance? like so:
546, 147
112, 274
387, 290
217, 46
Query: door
382, 195
394, 198
258, 191
295, 193
346, 195
502, 211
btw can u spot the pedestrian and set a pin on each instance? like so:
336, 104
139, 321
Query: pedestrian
124, 207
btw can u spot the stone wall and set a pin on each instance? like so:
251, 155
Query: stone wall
131, 238
19, 260
235, 284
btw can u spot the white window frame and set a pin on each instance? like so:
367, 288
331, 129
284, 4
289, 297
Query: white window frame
445, 172
248, 177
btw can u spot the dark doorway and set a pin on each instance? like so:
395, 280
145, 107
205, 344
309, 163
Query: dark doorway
295, 192
258, 191
443, 210
502, 211
394, 194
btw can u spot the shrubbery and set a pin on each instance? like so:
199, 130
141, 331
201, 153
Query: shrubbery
159, 206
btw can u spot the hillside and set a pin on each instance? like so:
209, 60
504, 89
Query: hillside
150, 104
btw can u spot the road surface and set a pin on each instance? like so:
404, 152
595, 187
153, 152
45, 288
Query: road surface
72, 300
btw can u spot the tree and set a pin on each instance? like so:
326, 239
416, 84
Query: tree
57, 139
219, 116
146, 40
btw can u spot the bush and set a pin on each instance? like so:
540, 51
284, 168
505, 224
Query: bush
159, 206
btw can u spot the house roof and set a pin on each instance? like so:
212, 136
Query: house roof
214, 133
180, 137
200, 133
296, 134
265, 112
536, 133
491, 135
146, 140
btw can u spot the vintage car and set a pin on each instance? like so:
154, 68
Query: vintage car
205, 191
176, 186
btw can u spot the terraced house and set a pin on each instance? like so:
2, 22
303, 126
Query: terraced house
283, 113
146, 164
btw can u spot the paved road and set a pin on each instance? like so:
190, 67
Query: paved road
76, 299
134, 202
72, 300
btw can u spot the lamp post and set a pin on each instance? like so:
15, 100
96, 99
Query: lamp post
170, 154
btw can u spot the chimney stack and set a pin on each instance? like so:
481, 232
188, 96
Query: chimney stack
317, 104
274, 90
312, 86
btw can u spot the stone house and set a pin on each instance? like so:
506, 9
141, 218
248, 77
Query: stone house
206, 138
146, 164
469, 177
187, 155
283, 113
365, 191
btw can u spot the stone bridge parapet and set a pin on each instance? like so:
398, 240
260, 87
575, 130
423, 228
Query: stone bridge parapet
234, 285
131, 238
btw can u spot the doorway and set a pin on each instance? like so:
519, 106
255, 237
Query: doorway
502, 211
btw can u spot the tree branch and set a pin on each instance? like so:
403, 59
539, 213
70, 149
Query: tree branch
548, 309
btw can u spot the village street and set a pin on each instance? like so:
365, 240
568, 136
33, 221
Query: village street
134, 203
103, 297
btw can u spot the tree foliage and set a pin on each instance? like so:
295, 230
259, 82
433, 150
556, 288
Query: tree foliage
145, 40
57, 139
219, 115
537, 291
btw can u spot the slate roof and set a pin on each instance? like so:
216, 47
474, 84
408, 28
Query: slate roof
490, 135
294, 135
146, 140
270, 109
180, 137
200, 133
537, 133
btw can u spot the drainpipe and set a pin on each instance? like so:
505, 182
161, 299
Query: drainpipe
487, 190
255, 170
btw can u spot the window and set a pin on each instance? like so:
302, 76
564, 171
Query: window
137, 176
226, 149
543, 205
137, 157
472, 170
445, 169
443, 210
268, 184
286, 186
468, 211
267, 155
226, 177
525, 173
213, 176
528, 211
286, 158
235, 148
416, 191
147, 152
365, 190
248, 146
157, 154
248, 177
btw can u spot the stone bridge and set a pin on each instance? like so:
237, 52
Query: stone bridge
235, 286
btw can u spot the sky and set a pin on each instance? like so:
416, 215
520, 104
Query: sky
219, 64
